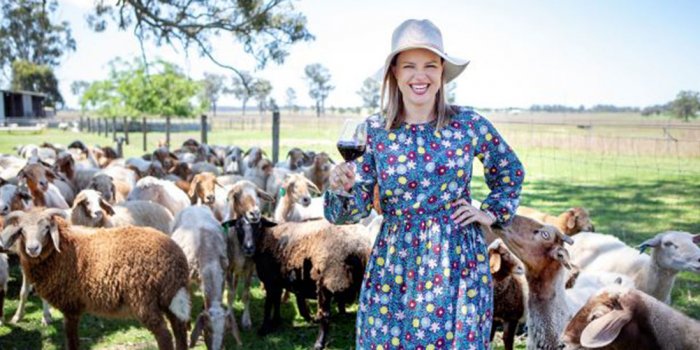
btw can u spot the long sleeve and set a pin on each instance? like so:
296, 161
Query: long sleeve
503, 172
349, 210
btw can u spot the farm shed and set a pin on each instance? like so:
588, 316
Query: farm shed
21, 104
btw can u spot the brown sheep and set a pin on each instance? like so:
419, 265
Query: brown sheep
123, 272
570, 222
166, 158
320, 171
39, 179
509, 291
203, 189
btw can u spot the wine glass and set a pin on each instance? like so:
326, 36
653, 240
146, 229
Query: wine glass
352, 143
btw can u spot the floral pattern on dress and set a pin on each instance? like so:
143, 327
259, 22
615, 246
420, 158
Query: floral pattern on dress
427, 284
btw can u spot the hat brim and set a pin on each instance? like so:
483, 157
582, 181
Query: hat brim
452, 66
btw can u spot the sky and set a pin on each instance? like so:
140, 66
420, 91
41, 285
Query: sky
626, 53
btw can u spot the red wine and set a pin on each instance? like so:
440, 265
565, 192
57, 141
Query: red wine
350, 150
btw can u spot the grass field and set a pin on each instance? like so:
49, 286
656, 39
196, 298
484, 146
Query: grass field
634, 189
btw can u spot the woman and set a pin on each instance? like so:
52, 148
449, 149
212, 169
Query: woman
427, 283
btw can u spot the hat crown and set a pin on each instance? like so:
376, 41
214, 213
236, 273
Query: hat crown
413, 33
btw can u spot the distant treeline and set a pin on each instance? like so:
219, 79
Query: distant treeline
583, 109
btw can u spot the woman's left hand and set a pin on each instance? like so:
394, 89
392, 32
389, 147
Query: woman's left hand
464, 214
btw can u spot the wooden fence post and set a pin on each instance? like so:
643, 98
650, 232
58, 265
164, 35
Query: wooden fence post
80, 124
203, 128
126, 130
89, 124
167, 131
144, 129
275, 135
114, 128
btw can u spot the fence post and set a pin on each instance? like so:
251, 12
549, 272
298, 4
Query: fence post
275, 135
126, 130
203, 128
80, 124
120, 146
144, 129
89, 125
167, 132
114, 128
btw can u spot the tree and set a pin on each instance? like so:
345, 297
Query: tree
370, 94
213, 87
39, 78
291, 99
261, 91
242, 88
451, 96
78, 87
27, 34
686, 105
318, 78
130, 91
265, 28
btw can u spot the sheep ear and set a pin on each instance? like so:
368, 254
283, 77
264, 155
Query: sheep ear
9, 235
604, 330
193, 190
571, 221
106, 207
650, 243
696, 239
53, 230
313, 186
173, 155
197, 331
562, 255
267, 223
495, 262
264, 195
3, 182
21, 175
114, 193
216, 182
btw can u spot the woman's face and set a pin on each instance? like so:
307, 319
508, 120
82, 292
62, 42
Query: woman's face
418, 73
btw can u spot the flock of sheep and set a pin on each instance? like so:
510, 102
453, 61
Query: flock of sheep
100, 234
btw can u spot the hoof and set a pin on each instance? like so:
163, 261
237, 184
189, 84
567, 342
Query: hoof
246, 323
319, 346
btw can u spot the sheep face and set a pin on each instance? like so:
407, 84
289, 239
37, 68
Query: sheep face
297, 188
93, 208
203, 188
323, 162
34, 230
66, 164
244, 200
156, 170
674, 250
247, 233
37, 177
578, 220
165, 157
296, 157
231, 162
105, 185
255, 155
212, 323
536, 245
14, 198
182, 170
603, 320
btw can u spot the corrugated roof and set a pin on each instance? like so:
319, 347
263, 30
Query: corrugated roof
22, 92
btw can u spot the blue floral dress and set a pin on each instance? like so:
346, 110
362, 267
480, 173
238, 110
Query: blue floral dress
427, 284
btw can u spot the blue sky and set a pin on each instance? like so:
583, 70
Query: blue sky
633, 53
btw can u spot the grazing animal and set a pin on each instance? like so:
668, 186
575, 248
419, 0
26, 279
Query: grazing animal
570, 222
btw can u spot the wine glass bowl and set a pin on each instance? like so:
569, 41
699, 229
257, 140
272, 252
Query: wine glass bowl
352, 142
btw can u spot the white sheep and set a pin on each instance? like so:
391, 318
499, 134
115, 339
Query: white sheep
199, 235
120, 272
672, 252
163, 192
294, 203
91, 210
619, 317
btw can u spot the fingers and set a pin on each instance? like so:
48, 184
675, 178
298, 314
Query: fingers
342, 176
465, 214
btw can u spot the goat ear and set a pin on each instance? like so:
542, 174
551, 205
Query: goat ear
313, 186
106, 207
495, 261
216, 182
193, 189
650, 243
604, 330
571, 221
198, 327
264, 195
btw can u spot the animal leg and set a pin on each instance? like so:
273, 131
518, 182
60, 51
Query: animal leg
272, 300
152, 319
23, 295
70, 324
46, 318
324, 315
245, 319
303, 307
179, 330
2, 306
509, 328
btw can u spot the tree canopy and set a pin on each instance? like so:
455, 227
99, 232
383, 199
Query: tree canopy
369, 92
213, 88
319, 79
39, 78
686, 105
265, 28
130, 91
261, 90
243, 88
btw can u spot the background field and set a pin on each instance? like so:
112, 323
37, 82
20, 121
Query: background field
637, 176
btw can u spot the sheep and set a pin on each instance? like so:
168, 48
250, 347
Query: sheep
165, 157
120, 272
570, 222
509, 291
38, 179
162, 192
228, 179
91, 210
313, 259
295, 202
104, 184
295, 160
198, 233
672, 252
202, 167
588, 283
14, 198
541, 249
320, 171
243, 201
259, 173
619, 317
233, 162
251, 158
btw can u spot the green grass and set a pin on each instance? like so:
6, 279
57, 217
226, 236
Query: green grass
633, 192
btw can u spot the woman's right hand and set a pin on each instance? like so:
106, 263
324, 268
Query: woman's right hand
342, 177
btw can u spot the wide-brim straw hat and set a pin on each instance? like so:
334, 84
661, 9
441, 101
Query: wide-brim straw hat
423, 34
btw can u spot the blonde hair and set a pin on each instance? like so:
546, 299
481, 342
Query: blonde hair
394, 108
